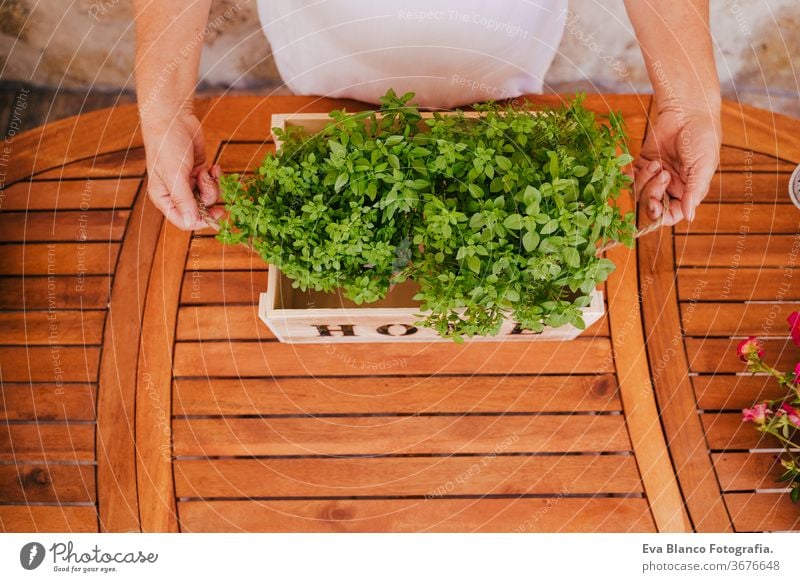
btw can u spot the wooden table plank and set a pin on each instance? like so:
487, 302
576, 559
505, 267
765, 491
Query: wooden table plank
58, 259
50, 442
407, 476
116, 400
732, 218
733, 251
724, 391
48, 402
63, 292
748, 471
409, 395
736, 319
673, 388
42, 483
252, 359
733, 159
726, 431
154, 478
753, 512
719, 355
48, 518
57, 327
399, 435
243, 156
208, 254
221, 322
739, 284
125, 163
66, 226
761, 188
81, 195
438, 515
223, 287
54, 364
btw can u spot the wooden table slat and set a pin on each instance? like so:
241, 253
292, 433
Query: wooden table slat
63, 226
57, 327
434, 515
48, 402
739, 284
431, 394
753, 512
50, 442
38, 483
748, 471
48, 518
83, 195
407, 476
58, 259
399, 435
255, 359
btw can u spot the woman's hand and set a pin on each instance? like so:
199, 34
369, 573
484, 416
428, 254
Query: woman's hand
679, 157
176, 167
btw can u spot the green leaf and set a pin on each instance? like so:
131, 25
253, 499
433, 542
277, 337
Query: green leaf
579, 171
530, 241
531, 195
553, 167
477, 221
571, 257
512, 295
624, 160
475, 190
503, 162
513, 221
551, 226
337, 148
341, 181
474, 264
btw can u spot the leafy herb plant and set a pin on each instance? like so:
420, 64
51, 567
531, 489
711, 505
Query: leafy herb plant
495, 216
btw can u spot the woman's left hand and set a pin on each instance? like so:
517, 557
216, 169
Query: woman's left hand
679, 157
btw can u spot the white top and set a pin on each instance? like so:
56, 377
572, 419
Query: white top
448, 53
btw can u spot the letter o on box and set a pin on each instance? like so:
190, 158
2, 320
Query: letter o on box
397, 329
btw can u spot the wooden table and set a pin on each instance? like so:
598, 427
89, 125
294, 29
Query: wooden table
141, 392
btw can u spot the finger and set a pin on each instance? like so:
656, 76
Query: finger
216, 172
674, 213
159, 196
208, 187
698, 181
646, 171
216, 212
653, 193
182, 196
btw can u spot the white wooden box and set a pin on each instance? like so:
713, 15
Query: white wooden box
301, 317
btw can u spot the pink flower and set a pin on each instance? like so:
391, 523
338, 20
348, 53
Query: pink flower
750, 348
791, 413
757, 414
794, 326
797, 373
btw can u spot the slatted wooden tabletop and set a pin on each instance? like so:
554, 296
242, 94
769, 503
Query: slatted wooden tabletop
142, 393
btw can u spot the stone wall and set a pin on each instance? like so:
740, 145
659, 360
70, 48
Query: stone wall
91, 45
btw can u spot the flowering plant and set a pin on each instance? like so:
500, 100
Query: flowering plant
780, 417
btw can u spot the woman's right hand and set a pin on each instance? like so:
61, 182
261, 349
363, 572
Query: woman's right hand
176, 167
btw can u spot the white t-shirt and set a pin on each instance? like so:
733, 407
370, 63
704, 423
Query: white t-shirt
448, 53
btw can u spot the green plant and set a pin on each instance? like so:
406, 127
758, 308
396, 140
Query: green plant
496, 216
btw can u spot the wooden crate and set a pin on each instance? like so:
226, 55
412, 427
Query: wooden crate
298, 317
301, 317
